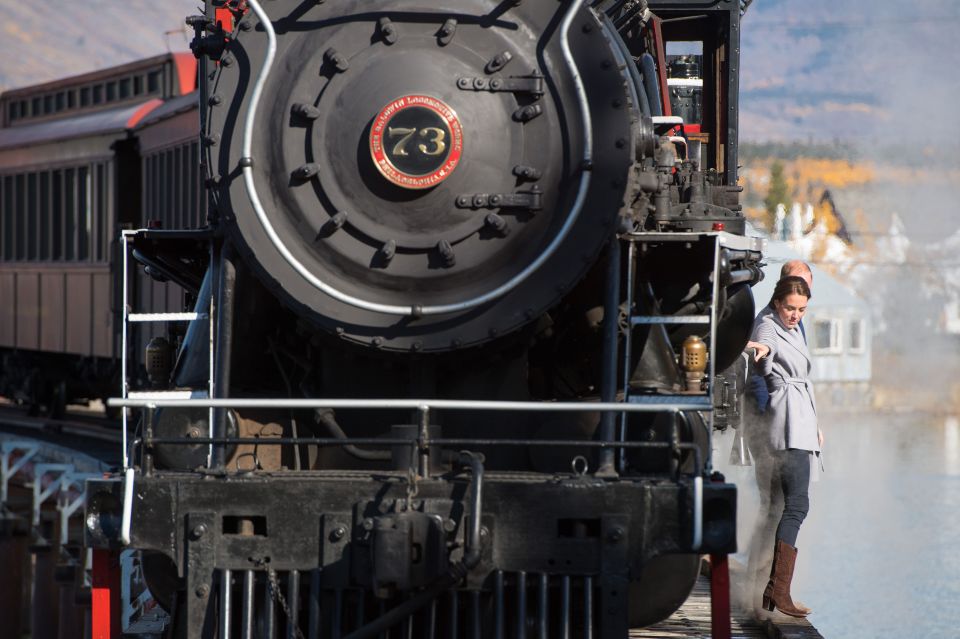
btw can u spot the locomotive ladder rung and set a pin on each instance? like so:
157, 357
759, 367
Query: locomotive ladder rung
177, 394
669, 319
165, 317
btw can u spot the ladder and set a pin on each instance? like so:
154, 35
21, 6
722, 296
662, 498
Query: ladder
129, 317
676, 402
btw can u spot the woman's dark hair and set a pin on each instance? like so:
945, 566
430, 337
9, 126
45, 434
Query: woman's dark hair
791, 285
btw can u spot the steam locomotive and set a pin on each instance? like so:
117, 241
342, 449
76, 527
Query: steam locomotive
454, 332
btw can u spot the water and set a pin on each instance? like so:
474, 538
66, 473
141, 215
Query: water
879, 553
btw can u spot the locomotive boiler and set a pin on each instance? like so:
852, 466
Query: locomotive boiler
434, 379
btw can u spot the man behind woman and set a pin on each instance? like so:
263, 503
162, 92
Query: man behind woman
785, 439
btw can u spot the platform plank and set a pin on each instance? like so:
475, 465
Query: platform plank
692, 621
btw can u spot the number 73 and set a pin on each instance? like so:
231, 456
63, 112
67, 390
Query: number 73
433, 135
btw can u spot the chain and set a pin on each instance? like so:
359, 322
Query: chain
412, 487
280, 599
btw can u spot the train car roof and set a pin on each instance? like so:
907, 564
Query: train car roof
185, 64
171, 108
85, 125
165, 76
176, 122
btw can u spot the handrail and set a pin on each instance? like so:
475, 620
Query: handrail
412, 404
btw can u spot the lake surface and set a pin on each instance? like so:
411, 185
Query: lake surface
879, 553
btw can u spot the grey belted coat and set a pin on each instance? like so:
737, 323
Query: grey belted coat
792, 414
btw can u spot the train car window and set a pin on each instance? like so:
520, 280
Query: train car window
13, 111
48, 104
125, 88
98, 94
61, 101
137, 84
7, 212
153, 82
195, 185
146, 194
85, 99
111, 91
183, 187
36, 106
72, 99
56, 213
44, 216
83, 214
32, 216
70, 214
100, 211
19, 191
167, 186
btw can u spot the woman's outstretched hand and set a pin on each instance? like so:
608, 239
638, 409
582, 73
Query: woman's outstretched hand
760, 350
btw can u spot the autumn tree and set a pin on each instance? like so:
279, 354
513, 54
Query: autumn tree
778, 193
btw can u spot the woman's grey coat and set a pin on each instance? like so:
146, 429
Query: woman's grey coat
792, 412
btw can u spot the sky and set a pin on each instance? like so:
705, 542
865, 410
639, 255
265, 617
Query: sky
866, 71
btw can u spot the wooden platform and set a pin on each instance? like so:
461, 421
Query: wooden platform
693, 621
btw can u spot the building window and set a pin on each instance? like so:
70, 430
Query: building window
98, 94
85, 97
856, 341
826, 336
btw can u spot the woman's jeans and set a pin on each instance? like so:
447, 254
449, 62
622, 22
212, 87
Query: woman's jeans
792, 470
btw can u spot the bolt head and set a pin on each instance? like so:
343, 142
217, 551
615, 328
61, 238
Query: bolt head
198, 531
615, 534
202, 591
338, 533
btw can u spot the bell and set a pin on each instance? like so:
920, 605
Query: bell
739, 455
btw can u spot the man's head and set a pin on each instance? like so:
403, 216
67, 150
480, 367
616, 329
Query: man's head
797, 268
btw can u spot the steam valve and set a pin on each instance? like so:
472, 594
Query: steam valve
159, 361
694, 362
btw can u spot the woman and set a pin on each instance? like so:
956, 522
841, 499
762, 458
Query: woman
791, 418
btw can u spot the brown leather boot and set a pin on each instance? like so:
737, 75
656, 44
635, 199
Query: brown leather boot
777, 593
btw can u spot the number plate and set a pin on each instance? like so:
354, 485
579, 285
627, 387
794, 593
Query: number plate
416, 141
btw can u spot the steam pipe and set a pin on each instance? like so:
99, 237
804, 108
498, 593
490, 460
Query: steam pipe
611, 329
586, 167
326, 417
